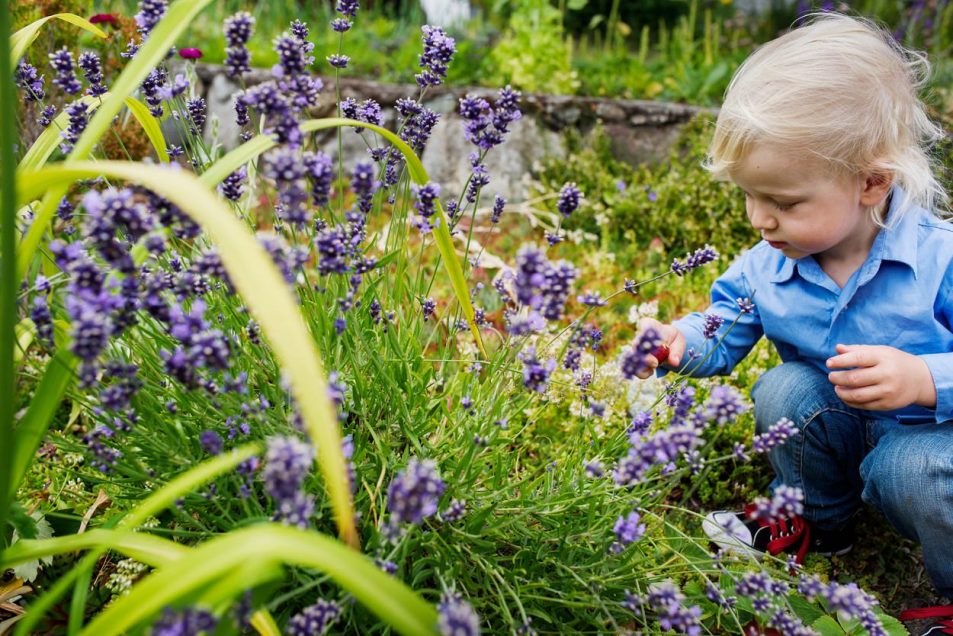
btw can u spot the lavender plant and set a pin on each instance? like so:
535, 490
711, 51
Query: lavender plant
507, 506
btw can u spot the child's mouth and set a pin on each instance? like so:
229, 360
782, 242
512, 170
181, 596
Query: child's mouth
777, 244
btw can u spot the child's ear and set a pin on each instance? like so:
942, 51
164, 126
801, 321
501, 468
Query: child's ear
876, 187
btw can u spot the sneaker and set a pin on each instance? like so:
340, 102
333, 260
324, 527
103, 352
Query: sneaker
943, 612
737, 532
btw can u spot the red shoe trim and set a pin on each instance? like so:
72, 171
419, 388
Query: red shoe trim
795, 529
937, 611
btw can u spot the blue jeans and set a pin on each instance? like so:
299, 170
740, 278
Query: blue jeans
843, 457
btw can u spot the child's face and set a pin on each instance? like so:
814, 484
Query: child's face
801, 208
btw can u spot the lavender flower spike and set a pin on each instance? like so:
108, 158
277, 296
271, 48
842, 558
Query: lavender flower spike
414, 493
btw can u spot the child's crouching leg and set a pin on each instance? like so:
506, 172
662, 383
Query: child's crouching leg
908, 476
824, 458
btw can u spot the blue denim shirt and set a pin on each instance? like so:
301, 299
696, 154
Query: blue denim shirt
902, 296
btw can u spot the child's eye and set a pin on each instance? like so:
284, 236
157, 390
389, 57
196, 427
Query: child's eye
784, 206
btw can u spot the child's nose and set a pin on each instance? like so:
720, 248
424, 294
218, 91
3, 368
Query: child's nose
760, 217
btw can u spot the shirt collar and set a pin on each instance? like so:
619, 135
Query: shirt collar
899, 246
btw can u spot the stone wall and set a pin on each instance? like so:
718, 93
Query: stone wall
640, 131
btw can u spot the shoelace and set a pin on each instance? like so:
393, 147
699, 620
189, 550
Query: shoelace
936, 611
785, 533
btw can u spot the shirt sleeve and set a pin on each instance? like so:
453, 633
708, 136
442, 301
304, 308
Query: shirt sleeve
734, 341
941, 368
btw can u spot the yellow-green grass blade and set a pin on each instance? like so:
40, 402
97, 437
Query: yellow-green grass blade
24, 334
150, 126
155, 503
22, 39
388, 598
29, 431
49, 139
254, 147
257, 280
179, 16
146, 548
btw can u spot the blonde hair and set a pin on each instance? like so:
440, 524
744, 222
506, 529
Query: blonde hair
842, 89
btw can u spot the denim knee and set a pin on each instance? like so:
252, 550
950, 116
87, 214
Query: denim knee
908, 476
795, 390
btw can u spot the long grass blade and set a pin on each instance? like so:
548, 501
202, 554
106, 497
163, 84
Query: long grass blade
258, 281
146, 548
22, 39
418, 174
163, 36
388, 598
46, 399
155, 503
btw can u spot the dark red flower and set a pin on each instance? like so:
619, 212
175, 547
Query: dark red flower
109, 18
190, 54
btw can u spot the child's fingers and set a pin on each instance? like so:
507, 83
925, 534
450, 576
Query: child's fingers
676, 347
862, 397
854, 378
852, 356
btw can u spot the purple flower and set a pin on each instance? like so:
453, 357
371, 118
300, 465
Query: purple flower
414, 493
535, 373
347, 7
568, 201
190, 53
43, 319
292, 58
315, 619
30, 82
456, 617
662, 447
211, 442
774, 436
341, 25
150, 12
438, 52
287, 463
338, 61
239, 28
332, 246
668, 602
186, 622
427, 197
46, 116
62, 63
454, 511
484, 126
592, 299
786, 501
151, 91
498, 204
232, 186
745, 305
286, 167
724, 405
429, 307
628, 530
712, 324
694, 260
196, 108
635, 360
320, 173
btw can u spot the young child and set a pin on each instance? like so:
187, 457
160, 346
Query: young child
853, 283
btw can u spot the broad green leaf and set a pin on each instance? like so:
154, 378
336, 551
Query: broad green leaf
257, 280
22, 39
254, 147
388, 598
827, 626
29, 432
179, 16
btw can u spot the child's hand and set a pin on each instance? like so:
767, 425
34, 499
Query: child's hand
671, 337
881, 378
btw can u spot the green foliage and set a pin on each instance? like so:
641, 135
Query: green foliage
532, 54
675, 202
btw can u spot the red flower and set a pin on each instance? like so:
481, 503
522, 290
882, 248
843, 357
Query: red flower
190, 54
108, 18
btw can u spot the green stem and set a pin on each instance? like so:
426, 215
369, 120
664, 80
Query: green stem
8, 282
